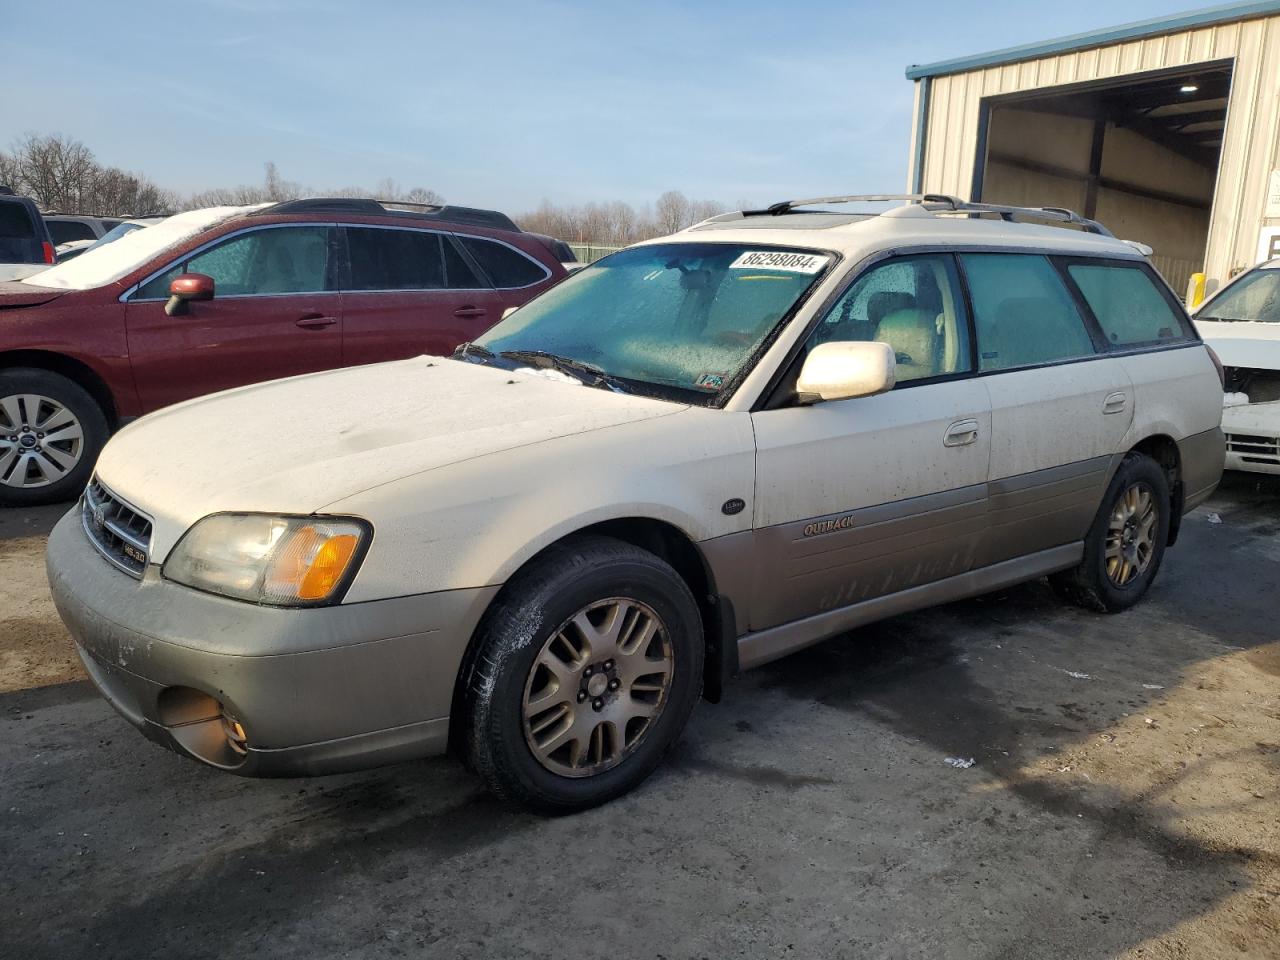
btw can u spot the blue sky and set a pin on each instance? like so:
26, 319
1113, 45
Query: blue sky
503, 104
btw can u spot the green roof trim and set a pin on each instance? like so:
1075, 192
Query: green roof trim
1099, 38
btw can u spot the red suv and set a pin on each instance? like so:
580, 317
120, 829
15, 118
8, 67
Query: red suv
217, 298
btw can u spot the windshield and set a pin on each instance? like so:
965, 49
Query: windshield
118, 231
101, 265
675, 319
1255, 296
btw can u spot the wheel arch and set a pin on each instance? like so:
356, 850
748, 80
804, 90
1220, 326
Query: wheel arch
674, 546
1163, 449
75, 370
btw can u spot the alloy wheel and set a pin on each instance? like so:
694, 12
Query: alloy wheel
1131, 534
598, 685
41, 440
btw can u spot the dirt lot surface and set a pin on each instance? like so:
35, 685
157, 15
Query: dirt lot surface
1123, 801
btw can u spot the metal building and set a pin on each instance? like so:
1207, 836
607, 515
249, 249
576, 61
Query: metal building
1168, 131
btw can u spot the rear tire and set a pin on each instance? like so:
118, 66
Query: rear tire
51, 432
586, 671
1125, 544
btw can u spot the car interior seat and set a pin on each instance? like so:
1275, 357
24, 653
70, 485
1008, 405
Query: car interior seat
913, 334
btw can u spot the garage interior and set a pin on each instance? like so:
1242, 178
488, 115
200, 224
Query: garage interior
1141, 156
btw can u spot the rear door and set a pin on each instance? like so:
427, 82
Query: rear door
1060, 407
275, 313
408, 292
514, 274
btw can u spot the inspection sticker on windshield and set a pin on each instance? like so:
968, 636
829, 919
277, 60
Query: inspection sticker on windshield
779, 260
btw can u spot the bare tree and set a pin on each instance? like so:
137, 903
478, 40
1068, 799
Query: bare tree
672, 210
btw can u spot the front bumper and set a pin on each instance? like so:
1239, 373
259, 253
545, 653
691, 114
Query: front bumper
1253, 437
316, 690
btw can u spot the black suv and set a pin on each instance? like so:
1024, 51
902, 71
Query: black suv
24, 238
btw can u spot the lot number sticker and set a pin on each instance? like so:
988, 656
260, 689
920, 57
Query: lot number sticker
778, 260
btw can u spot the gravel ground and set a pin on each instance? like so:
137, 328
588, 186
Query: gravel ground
1121, 802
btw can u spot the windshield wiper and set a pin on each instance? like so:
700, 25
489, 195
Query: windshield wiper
588, 373
472, 349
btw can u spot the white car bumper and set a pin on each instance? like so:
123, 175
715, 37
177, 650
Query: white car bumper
1253, 437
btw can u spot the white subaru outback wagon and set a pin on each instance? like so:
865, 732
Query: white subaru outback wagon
692, 457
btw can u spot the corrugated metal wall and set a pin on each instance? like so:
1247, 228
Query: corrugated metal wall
1250, 148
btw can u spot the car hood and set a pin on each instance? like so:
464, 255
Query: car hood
293, 446
1243, 343
25, 295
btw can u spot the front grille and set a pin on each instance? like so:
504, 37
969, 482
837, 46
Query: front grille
1254, 449
121, 533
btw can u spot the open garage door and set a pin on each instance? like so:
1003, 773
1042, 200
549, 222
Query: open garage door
1140, 155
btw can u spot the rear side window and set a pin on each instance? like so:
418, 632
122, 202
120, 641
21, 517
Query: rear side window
1023, 312
395, 259
15, 222
1127, 304
64, 231
505, 267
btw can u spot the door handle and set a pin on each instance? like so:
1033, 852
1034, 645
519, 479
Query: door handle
470, 312
961, 433
313, 321
1115, 403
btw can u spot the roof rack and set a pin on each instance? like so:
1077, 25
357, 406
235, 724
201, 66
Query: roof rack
370, 206
946, 204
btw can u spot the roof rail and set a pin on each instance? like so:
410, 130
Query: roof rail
786, 206
370, 206
949, 204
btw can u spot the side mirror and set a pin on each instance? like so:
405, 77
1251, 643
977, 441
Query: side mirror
846, 368
187, 287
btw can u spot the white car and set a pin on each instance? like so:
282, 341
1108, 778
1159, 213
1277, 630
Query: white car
1242, 324
692, 457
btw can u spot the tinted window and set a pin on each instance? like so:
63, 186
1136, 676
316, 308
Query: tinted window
1129, 307
504, 266
1023, 313
15, 222
395, 259
274, 260
457, 274
64, 231
912, 304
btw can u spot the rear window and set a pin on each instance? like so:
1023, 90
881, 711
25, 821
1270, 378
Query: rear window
1128, 306
505, 266
64, 231
1023, 312
15, 221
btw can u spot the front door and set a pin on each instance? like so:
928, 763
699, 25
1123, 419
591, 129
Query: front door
275, 313
860, 498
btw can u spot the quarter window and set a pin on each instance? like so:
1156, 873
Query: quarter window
268, 261
1127, 304
1023, 312
913, 304
504, 266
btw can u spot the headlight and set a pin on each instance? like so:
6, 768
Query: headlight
284, 561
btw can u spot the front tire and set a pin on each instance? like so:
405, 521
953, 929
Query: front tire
51, 432
1125, 545
586, 671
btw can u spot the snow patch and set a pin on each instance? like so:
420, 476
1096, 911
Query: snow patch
112, 261
959, 762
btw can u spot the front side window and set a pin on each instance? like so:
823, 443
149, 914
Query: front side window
507, 268
1022, 311
1126, 303
914, 305
1255, 297
676, 319
269, 261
